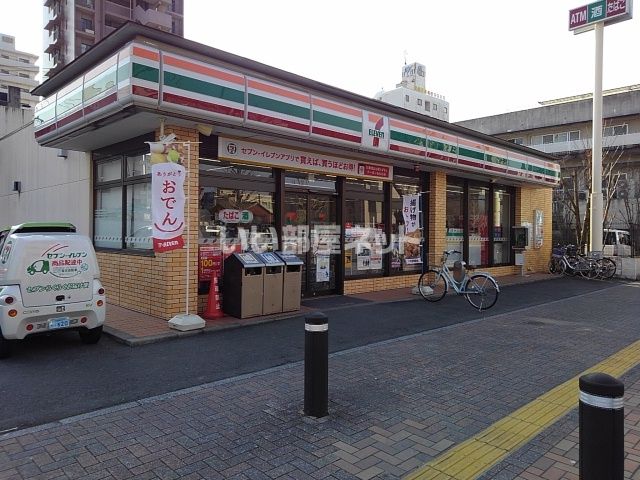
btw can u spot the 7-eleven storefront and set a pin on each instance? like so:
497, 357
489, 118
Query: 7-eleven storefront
363, 192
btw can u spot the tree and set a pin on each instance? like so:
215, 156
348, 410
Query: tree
572, 204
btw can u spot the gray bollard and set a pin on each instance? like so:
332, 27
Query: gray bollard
316, 365
601, 419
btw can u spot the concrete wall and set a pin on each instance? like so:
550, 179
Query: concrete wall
53, 188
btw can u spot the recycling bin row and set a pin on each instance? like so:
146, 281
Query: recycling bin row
261, 283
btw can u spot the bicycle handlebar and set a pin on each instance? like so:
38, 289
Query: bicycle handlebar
449, 252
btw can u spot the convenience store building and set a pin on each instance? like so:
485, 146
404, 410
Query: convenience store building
364, 192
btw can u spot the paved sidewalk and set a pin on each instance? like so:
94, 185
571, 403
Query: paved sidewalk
394, 406
134, 328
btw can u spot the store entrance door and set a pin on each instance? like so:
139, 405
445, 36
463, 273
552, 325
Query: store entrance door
310, 230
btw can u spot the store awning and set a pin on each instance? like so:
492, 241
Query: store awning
115, 91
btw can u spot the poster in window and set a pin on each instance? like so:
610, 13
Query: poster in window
538, 227
412, 237
375, 262
323, 268
364, 259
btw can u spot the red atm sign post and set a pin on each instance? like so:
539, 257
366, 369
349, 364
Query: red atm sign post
583, 18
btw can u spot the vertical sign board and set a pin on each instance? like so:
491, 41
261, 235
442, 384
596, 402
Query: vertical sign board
583, 18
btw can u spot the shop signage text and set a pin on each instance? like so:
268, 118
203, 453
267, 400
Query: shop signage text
235, 216
275, 156
583, 18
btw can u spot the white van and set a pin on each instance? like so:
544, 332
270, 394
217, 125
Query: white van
616, 242
49, 281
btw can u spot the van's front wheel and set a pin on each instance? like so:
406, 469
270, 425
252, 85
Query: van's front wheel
5, 347
91, 335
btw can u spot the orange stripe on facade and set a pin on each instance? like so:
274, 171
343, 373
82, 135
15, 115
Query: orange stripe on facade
197, 68
442, 136
469, 143
148, 54
496, 151
407, 126
336, 107
374, 117
278, 91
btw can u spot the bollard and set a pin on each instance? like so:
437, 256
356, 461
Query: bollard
601, 419
316, 365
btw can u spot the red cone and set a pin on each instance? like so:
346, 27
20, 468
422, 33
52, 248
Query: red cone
213, 310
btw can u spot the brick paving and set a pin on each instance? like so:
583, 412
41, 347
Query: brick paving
394, 406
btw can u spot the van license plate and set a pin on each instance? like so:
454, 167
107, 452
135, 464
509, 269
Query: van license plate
58, 323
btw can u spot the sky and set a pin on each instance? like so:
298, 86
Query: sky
486, 57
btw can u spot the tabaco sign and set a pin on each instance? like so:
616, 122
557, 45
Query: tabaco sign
274, 156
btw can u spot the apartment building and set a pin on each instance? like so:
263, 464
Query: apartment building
17, 69
411, 94
74, 26
563, 127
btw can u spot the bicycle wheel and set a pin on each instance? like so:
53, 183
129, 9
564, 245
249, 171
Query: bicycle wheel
432, 285
588, 268
552, 266
481, 291
607, 268
570, 265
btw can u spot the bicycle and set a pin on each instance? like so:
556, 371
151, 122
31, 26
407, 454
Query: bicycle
566, 260
480, 289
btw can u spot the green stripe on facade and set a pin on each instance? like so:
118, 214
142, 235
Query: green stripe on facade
144, 72
336, 121
472, 154
278, 106
408, 138
543, 171
201, 87
123, 72
443, 147
497, 160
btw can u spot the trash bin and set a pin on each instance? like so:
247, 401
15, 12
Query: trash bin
292, 281
243, 285
272, 292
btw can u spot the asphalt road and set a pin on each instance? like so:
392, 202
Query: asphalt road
54, 377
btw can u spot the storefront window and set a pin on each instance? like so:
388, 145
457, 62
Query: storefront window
364, 228
237, 219
139, 217
455, 220
501, 226
122, 178
487, 231
108, 218
478, 226
405, 252
109, 170
138, 165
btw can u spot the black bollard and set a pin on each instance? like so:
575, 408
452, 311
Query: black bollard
316, 365
601, 419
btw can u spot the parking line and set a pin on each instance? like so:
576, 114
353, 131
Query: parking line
475, 456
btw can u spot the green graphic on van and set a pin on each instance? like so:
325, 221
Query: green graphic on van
41, 266
60, 263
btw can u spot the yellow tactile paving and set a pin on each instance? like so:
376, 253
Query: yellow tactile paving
472, 458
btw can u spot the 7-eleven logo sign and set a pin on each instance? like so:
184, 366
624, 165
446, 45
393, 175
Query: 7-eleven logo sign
375, 132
